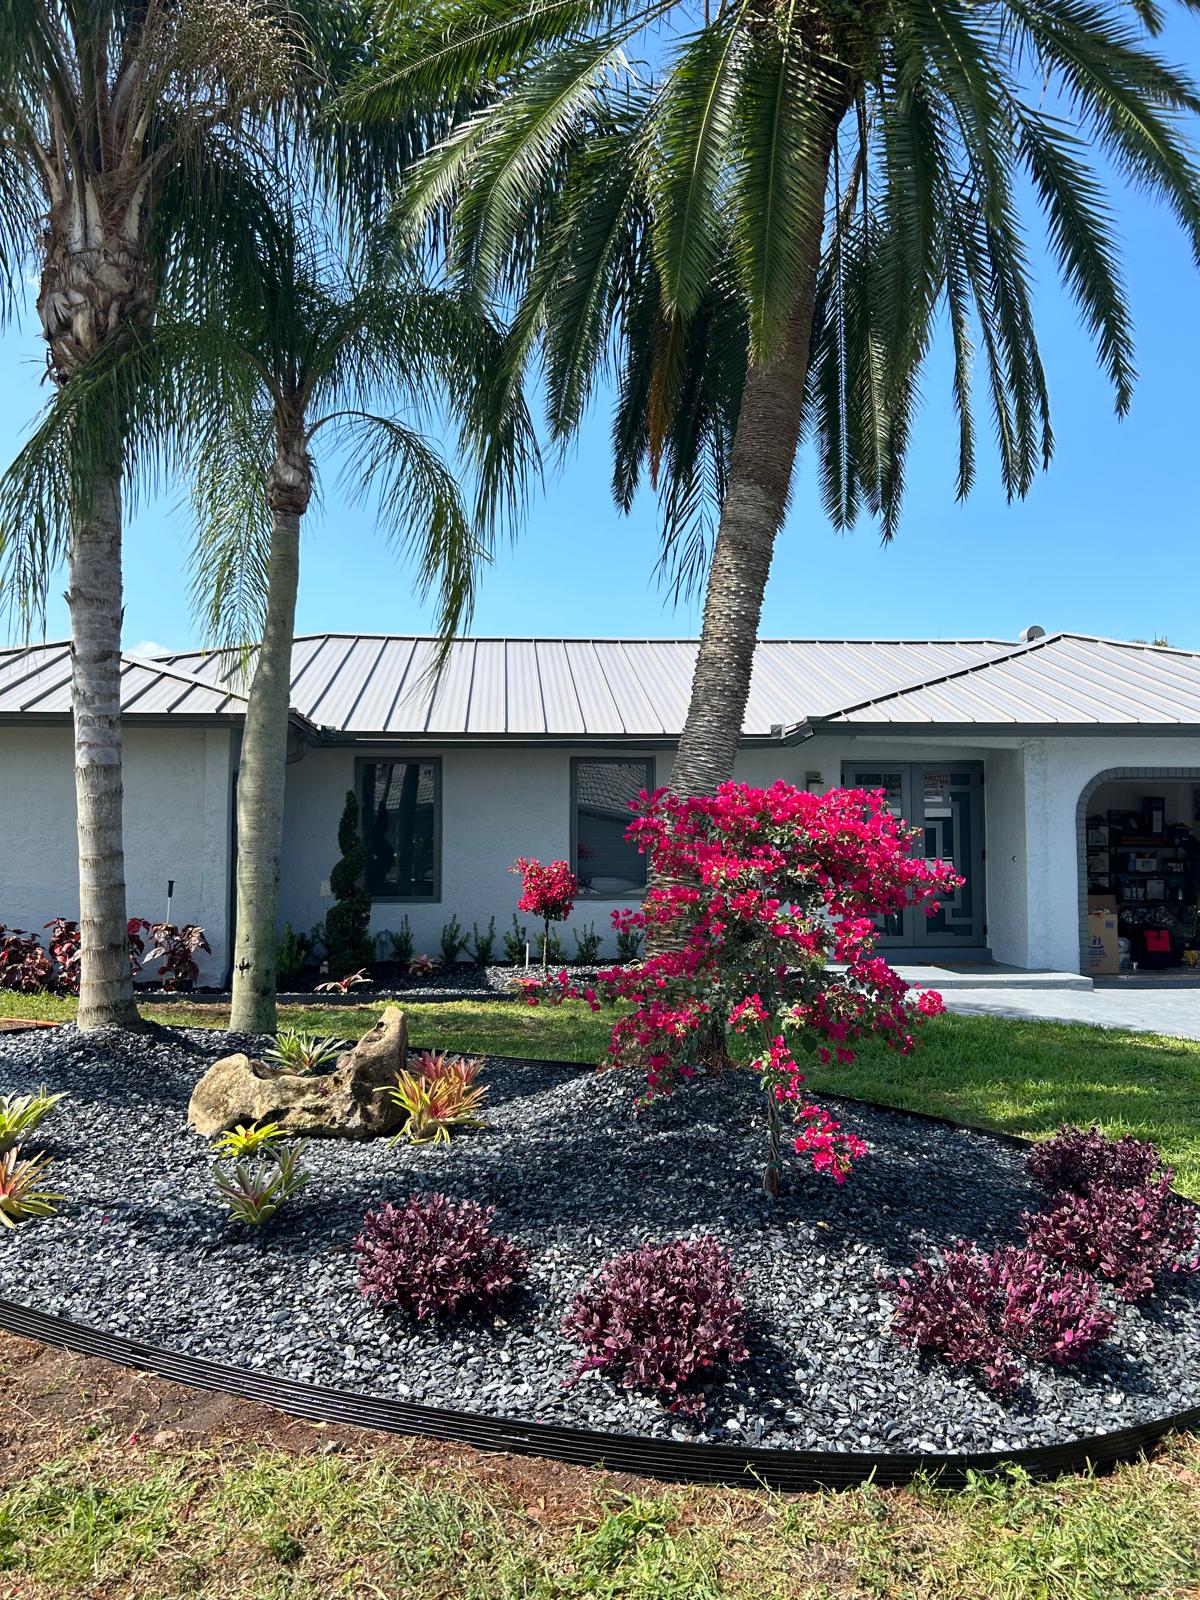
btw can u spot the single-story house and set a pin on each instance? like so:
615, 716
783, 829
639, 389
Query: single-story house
1001, 751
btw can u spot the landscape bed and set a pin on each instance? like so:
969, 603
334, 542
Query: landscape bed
141, 1250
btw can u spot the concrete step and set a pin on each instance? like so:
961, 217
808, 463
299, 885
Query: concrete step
994, 976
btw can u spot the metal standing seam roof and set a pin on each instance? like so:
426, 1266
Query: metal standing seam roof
1062, 678
36, 680
371, 684
374, 685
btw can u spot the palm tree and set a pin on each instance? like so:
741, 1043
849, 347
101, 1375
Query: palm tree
760, 231
303, 357
120, 130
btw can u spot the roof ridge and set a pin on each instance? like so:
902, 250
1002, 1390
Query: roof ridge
1025, 647
151, 664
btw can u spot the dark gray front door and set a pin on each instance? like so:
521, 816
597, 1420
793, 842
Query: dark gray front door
944, 801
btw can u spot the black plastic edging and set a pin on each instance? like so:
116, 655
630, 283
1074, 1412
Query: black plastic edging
669, 1459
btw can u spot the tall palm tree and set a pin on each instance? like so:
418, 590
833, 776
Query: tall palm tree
308, 357
759, 230
121, 125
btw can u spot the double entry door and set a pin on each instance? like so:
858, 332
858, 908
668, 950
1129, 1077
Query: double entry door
944, 802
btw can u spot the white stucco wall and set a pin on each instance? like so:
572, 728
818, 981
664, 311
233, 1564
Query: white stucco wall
1005, 866
500, 802
497, 804
177, 794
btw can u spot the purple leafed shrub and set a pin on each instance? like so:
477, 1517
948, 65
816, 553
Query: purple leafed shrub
175, 951
994, 1312
1133, 1237
1077, 1159
662, 1318
435, 1257
24, 965
64, 952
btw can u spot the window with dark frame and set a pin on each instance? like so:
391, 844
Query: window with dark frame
604, 791
401, 826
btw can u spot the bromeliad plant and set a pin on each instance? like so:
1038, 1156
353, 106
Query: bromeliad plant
547, 892
353, 980
439, 1094
253, 1140
253, 1194
21, 1113
299, 1052
22, 1196
755, 892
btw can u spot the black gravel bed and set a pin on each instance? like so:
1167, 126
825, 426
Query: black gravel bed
141, 1249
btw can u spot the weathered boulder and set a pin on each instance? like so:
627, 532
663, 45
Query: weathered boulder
342, 1104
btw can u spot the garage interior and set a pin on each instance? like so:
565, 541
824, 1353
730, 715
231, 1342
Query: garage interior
1142, 849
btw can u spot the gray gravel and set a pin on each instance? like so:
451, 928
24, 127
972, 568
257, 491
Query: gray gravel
141, 1249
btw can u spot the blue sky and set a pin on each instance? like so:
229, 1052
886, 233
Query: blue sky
1104, 544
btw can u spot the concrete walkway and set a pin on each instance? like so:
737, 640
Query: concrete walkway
1149, 1010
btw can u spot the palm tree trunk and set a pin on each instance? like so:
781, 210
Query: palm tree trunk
94, 597
760, 475
262, 772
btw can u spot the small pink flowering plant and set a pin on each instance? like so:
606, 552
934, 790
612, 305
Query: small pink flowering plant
756, 894
547, 892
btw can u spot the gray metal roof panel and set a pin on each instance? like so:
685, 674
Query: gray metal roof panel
36, 680
1059, 679
638, 688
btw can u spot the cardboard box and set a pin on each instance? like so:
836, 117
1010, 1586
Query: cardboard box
1104, 957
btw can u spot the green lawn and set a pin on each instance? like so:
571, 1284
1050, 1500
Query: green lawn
246, 1524
1023, 1077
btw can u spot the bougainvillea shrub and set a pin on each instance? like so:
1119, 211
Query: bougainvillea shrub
435, 1257
663, 1318
994, 1312
1137, 1238
755, 894
1079, 1159
548, 892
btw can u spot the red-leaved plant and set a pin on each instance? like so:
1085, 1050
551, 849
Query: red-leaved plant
547, 892
996, 1311
1111, 1211
662, 1318
175, 951
1134, 1237
64, 952
1077, 1159
436, 1257
755, 892
24, 965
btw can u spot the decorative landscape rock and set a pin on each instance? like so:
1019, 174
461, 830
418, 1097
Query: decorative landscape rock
342, 1104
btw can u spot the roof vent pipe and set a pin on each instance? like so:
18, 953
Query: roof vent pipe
1032, 632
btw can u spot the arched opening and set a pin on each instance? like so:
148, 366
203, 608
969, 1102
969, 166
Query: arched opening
1138, 844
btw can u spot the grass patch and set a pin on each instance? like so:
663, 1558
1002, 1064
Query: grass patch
263, 1524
